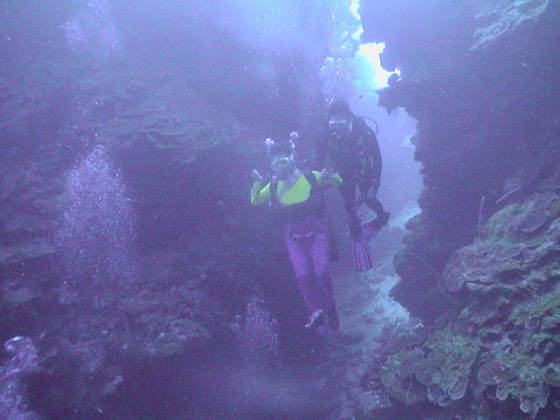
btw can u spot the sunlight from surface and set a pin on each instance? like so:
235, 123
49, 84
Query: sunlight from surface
354, 8
401, 182
368, 56
368, 66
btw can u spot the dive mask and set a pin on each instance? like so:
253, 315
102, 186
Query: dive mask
281, 163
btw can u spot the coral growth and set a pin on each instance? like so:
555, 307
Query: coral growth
14, 396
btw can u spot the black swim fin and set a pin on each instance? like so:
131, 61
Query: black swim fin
333, 250
371, 228
361, 254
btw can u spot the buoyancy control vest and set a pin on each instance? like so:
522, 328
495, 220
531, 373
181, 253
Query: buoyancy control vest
348, 150
313, 206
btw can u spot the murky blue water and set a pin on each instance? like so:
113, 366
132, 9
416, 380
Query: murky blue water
137, 282
130, 130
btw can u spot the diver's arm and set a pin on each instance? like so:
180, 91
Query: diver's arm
373, 153
321, 151
260, 193
325, 177
376, 161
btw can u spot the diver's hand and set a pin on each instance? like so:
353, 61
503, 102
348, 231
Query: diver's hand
327, 176
257, 176
294, 136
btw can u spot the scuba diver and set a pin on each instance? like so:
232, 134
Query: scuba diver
295, 194
354, 153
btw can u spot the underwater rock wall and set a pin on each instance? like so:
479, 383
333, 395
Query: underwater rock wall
500, 353
14, 401
480, 263
53, 204
185, 167
179, 142
479, 77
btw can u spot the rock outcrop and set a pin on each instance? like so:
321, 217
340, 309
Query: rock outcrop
167, 103
479, 265
89, 329
14, 373
487, 117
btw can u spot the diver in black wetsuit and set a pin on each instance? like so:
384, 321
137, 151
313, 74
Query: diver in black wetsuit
354, 152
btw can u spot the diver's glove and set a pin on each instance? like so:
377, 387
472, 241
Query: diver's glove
327, 176
257, 177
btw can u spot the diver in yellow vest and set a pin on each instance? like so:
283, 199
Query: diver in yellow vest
295, 195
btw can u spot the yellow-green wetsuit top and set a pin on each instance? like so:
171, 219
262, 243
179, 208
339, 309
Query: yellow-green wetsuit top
297, 193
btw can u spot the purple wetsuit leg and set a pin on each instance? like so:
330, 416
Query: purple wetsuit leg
299, 255
320, 257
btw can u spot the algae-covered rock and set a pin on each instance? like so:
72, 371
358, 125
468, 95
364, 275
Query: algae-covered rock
449, 362
438, 371
494, 372
490, 223
14, 396
504, 16
513, 241
552, 375
504, 342
16, 254
397, 376
516, 375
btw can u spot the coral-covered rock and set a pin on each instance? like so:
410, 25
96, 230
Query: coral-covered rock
504, 16
516, 238
14, 396
398, 377
155, 137
438, 371
482, 257
478, 147
26, 252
